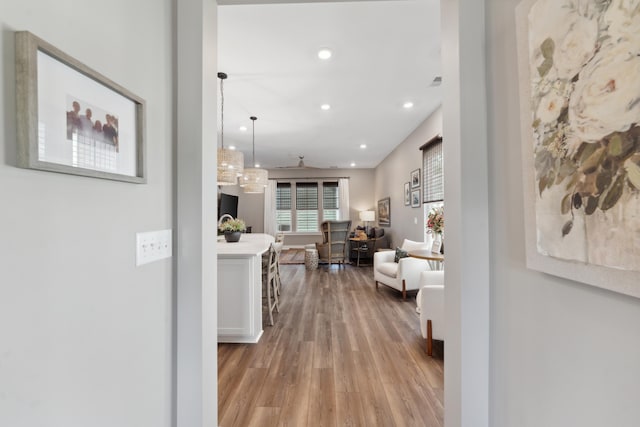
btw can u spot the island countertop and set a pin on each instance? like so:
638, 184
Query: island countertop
250, 244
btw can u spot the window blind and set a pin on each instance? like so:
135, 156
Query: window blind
330, 199
283, 196
432, 171
306, 195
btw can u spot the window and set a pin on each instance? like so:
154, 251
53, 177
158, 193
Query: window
433, 180
283, 206
302, 205
306, 206
330, 200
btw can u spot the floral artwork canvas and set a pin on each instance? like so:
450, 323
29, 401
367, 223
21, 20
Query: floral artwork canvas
580, 98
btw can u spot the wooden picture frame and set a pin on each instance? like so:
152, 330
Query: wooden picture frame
384, 212
407, 194
415, 179
415, 198
72, 119
567, 218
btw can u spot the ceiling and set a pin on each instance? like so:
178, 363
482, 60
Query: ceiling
384, 53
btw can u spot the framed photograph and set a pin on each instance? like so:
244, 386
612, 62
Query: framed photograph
415, 179
384, 212
71, 119
580, 123
415, 198
407, 194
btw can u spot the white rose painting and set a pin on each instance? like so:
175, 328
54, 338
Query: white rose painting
583, 121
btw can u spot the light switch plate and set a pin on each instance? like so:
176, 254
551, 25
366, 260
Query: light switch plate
152, 246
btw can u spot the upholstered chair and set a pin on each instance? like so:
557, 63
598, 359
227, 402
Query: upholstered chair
430, 302
335, 241
403, 275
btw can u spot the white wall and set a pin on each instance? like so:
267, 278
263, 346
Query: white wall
85, 335
196, 269
563, 353
395, 170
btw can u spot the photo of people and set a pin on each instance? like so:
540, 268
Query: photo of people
83, 119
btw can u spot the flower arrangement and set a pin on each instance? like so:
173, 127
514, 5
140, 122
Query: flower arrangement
435, 220
233, 225
586, 114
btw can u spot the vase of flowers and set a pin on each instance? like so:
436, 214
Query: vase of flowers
435, 226
233, 229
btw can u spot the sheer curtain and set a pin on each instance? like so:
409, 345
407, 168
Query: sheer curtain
343, 189
270, 208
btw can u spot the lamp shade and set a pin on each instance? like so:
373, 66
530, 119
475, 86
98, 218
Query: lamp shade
254, 180
230, 165
367, 216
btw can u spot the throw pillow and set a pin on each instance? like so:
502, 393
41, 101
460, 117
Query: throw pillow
400, 253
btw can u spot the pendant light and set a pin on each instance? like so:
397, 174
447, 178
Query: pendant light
230, 162
254, 179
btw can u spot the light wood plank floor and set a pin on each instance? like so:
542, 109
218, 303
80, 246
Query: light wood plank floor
340, 354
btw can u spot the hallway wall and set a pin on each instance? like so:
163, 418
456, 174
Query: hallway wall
86, 335
395, 170
562, 353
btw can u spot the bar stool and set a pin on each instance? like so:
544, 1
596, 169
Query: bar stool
278, 247
272, 283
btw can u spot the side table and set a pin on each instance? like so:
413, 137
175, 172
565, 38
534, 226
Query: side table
310, 257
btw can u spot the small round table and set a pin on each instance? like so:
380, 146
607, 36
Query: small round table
436, 261
311, 258
360, 246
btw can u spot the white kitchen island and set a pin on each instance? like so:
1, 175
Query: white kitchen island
240, 288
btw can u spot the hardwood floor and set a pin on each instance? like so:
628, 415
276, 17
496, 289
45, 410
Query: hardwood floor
340, 354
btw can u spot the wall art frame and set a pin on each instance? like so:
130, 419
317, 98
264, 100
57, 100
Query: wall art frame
384, 212
581, 171
415, 179
72, 119
407, 194
415, 198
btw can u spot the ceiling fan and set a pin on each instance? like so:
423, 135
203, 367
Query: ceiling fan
300, 165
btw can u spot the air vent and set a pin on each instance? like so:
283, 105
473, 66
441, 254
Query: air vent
437, 81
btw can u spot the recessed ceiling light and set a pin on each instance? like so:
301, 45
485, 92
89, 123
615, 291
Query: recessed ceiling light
353, 164
408, 104
243, 128
232, 147
257, 165
325, 107
363, 146
324, 53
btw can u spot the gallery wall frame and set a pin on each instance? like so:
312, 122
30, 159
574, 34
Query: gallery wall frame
581, 171
415, 179
384, 212
72, 119
407, 194
415, 198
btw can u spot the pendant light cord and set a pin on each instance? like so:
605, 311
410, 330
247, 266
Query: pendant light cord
222, 76
222, 112
253, 125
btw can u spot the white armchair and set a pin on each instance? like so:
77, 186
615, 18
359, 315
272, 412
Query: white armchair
403, 275
430, 302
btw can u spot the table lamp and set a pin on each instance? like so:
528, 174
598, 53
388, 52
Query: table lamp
366, 217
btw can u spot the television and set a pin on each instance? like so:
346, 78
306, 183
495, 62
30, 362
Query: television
228, 204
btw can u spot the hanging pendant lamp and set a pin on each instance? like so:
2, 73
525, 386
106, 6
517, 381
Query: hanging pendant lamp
230, 162
254, 180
